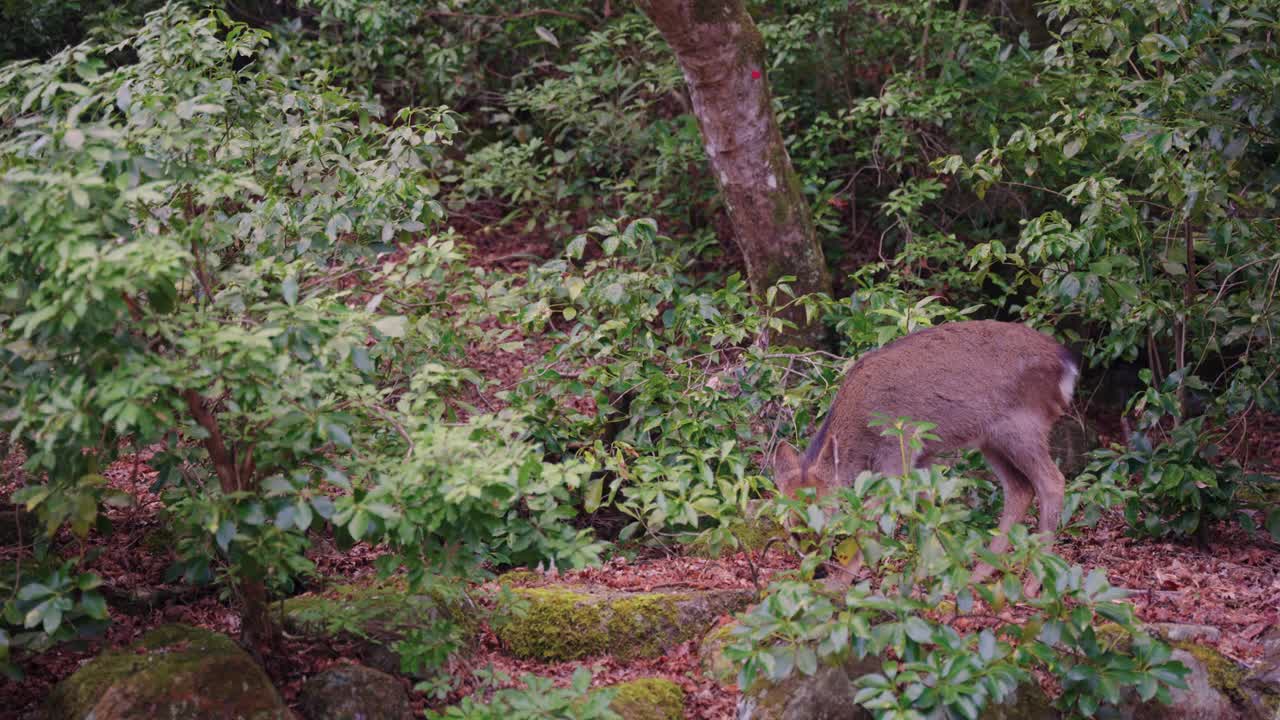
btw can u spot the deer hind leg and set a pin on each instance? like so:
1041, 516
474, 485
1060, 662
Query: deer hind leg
1018, 493
1031, 456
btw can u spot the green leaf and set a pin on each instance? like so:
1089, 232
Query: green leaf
547, 35
918, 630
392, 326
593, 495
986, 645
290, 290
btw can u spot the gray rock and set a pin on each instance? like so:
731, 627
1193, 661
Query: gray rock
826, 695
1177, 632
354, 692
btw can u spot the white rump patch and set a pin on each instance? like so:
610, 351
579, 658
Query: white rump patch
772, 182
1067, 385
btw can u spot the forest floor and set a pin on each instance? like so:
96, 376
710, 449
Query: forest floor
1233, 586
1232, 583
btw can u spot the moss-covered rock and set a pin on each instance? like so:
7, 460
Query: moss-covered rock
569, 623
175, 671
354, 692
649, 699
377, 615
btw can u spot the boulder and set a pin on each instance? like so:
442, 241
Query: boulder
376, 616
174, 671
648, 699
354, 692
828, 695
571, 622
825, 695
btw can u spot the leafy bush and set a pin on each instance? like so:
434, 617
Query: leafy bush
179, 241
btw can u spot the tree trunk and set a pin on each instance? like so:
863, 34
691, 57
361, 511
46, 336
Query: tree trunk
257, 625
722, 55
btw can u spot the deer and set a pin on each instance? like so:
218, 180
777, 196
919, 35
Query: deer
997, 387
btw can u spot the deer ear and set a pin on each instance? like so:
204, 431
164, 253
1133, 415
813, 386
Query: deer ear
786, 467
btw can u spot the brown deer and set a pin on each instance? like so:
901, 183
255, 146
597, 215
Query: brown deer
995, 386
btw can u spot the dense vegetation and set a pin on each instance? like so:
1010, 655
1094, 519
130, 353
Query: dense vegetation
270, 241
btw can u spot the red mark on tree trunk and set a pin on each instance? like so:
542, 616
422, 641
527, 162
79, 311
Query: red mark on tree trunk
755, 74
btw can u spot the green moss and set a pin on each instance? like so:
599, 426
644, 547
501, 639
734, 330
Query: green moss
76, 696
633, 622
649, 699
519, 577
377, 616
559, 625
1224, 674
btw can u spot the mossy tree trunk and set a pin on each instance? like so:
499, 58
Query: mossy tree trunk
722, 55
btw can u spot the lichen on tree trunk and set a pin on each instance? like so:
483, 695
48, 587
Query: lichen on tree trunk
722, 56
